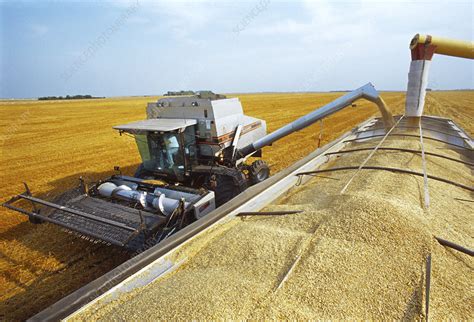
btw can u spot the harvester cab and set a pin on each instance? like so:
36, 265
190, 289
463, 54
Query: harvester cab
166, 147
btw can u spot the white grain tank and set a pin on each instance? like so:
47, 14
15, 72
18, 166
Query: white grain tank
217, 120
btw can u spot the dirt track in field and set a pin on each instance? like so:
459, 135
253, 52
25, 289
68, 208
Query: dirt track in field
50, 144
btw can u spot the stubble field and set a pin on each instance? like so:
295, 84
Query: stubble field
49, 144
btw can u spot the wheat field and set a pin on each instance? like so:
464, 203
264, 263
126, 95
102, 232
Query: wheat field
50, 144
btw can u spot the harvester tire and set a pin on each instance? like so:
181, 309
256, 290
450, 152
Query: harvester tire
225, 190
259, 171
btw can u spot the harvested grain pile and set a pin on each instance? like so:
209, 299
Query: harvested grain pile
360, 255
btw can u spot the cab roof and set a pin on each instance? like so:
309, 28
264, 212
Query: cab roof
162, 125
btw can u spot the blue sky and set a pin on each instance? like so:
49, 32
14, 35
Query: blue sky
148, 47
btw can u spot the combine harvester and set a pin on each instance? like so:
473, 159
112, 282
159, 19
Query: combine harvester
367, 226
189, 166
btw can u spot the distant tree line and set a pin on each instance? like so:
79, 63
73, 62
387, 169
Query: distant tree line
67, 97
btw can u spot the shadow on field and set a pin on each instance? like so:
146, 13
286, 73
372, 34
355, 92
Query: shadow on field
43, 263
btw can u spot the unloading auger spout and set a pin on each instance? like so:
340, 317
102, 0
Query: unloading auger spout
423, 48
367, 92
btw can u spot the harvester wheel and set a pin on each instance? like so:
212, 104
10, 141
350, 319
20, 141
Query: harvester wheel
225, 190
259, 171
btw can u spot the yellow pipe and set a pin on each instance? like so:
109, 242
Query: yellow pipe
445, 46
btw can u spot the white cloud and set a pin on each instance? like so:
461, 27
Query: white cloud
369, 39
138, 20
324, 22
180, 18
38, 29
361, 24
287, 26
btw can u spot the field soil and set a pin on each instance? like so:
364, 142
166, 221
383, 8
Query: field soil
50, 144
